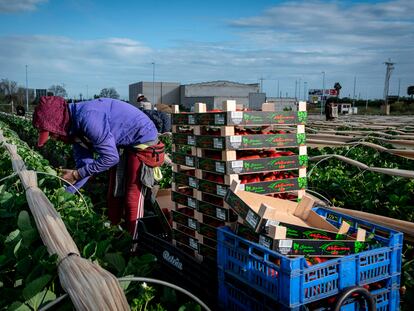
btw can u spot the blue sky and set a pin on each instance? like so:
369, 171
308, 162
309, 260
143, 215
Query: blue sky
88, 45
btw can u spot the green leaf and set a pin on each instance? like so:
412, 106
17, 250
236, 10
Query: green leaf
190, 306
13, 236
41, 298
23, 221
125, 284
89, 250
6, 196
36, 286
17, 248
116, 260
29, 236
102, 248
50, 170
147, 259
18, 282
18, 306
23, 265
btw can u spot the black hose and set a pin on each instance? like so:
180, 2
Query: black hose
363, 292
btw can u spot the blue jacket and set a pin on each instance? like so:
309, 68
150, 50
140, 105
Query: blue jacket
161, 120
102, 125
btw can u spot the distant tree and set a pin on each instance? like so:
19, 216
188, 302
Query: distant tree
58, 90
410, 91
8, 87
8, 90
109, 93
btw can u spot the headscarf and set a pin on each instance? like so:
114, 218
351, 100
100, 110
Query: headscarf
51, 115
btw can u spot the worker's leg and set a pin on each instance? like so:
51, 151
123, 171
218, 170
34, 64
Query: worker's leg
134, 200
115, 208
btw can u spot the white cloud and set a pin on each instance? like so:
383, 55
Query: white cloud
289, 41
77, 63
11, 6
342, 38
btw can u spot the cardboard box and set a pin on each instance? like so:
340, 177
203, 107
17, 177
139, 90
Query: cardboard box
256, 209
304, 241
185, 239
293, 229
184, 199
215, 211
184, 179
183, 118
184, 159
192, 241
276, 186
239, 142
185, 220
183, 139
251, 118
252, 166
212, 187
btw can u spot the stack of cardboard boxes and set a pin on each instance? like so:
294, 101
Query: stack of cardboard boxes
263, 151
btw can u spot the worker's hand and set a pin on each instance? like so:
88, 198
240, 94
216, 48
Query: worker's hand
69, 175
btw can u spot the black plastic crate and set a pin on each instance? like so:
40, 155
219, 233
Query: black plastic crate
175, 266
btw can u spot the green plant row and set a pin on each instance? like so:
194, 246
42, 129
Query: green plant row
347, 186
28, 274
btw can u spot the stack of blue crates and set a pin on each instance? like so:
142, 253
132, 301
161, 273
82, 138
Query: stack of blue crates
252, 277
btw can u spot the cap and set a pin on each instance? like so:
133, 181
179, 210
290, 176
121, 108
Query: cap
43, 137
140, 95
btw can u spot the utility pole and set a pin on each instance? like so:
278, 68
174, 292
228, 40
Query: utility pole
390, 68
399, 85
296, 88
153, 85
353, 97
323, 91
300, 80
27, 93
278, 88
305, 90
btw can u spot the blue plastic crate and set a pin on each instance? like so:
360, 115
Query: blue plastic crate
236, 299
292, 282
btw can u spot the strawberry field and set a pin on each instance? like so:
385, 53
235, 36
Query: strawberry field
28, 277
28, 274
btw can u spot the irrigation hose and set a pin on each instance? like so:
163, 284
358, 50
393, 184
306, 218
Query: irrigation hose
76, 189
173, 286
363, 292
7, 177
139, 279
320, 195
54, 302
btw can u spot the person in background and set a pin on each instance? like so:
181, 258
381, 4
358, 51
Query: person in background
20, 111
330, 103
98, 130
143, 101
161, 120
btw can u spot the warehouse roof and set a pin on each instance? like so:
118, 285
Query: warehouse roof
222, 83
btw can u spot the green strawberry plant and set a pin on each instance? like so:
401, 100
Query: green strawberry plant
28, 275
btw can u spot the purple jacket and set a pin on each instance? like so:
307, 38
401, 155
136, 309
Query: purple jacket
105, 124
